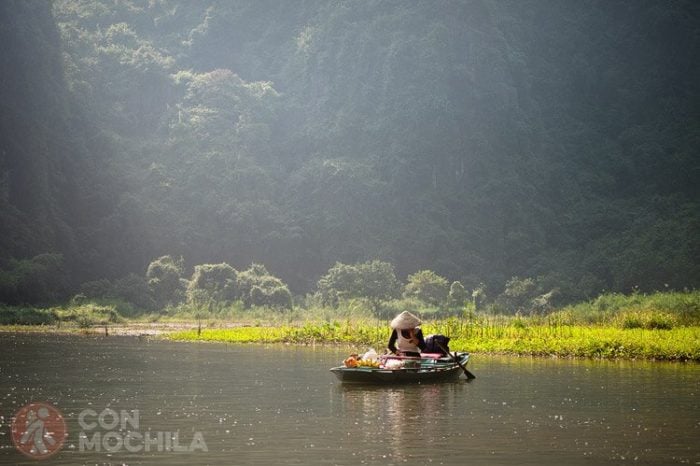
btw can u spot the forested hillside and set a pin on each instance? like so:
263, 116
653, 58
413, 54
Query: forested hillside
483, 140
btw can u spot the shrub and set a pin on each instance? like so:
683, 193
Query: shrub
646, 319
258, 288
27, 316
375, 281
217, 282
427, 286
39, 280
457, 295
164, 280
97, 289
92, 314
134, 289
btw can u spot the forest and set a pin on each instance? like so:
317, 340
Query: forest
528, 153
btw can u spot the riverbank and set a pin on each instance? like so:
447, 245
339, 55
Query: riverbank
680, 344
661, 326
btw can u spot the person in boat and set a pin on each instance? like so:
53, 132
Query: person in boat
406, 336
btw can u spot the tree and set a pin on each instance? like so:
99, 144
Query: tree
479, 296
39, 280
526, 295
217, 282
134, 289
373, 280
257, 287
164, 277
458, 295
518, 294
470, 137
428, 287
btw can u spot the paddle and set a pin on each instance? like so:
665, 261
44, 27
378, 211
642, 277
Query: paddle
469, 375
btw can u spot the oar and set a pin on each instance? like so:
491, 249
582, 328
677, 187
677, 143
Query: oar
469, 375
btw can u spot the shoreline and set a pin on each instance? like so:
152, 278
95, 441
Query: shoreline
119, 329
576, 342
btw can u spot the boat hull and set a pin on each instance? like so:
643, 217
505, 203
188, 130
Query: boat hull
439, 371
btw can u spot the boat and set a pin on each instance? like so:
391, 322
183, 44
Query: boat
428, 368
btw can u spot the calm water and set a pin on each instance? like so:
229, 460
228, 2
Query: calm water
253, 404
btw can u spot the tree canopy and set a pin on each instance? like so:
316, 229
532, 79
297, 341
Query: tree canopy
554, 141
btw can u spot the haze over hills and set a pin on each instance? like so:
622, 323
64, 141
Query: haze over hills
483, 140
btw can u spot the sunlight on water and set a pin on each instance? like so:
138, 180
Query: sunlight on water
254, 404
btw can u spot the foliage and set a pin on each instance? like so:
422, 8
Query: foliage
132, 289
164, 277
518, 338
427, 286
27, 316
479, 296
525, 296
657, 310
468, 139
457, 295
40, 279
257, 287
660, 326
216, 282
90, 314
373, 280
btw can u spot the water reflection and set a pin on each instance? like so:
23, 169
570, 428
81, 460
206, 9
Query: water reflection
280, 405
407, 421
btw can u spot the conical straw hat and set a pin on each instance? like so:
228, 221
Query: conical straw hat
405, 321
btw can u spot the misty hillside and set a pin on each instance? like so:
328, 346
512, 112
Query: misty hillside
557, 140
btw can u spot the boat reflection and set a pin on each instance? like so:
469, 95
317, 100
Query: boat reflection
407, 418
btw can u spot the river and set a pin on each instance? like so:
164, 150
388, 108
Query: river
126, 400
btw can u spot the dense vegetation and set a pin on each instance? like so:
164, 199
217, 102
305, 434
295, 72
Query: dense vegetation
663, 326
519, 155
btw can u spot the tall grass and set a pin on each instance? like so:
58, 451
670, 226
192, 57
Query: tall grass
657, 326
567, 341
667, 308
660, 326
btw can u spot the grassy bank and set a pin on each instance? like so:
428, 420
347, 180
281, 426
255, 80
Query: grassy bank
681, 343
663, 326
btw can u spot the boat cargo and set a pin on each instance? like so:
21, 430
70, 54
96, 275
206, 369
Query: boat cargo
429, 368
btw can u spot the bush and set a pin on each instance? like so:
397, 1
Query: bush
92, 314
457, 295
427, 286
646, 319
27, 316
39, 280
164, 277
134, 289
374, 281
258, 288
97, 289
217, 282
129, 292
670, 308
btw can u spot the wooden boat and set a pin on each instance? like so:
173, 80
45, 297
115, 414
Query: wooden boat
424, 370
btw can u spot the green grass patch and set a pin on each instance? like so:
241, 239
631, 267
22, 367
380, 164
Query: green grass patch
663, 326
593, 342
656, 310
27, 316
349, 332
566, 341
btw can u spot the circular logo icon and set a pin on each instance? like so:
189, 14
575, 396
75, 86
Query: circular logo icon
38, 430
